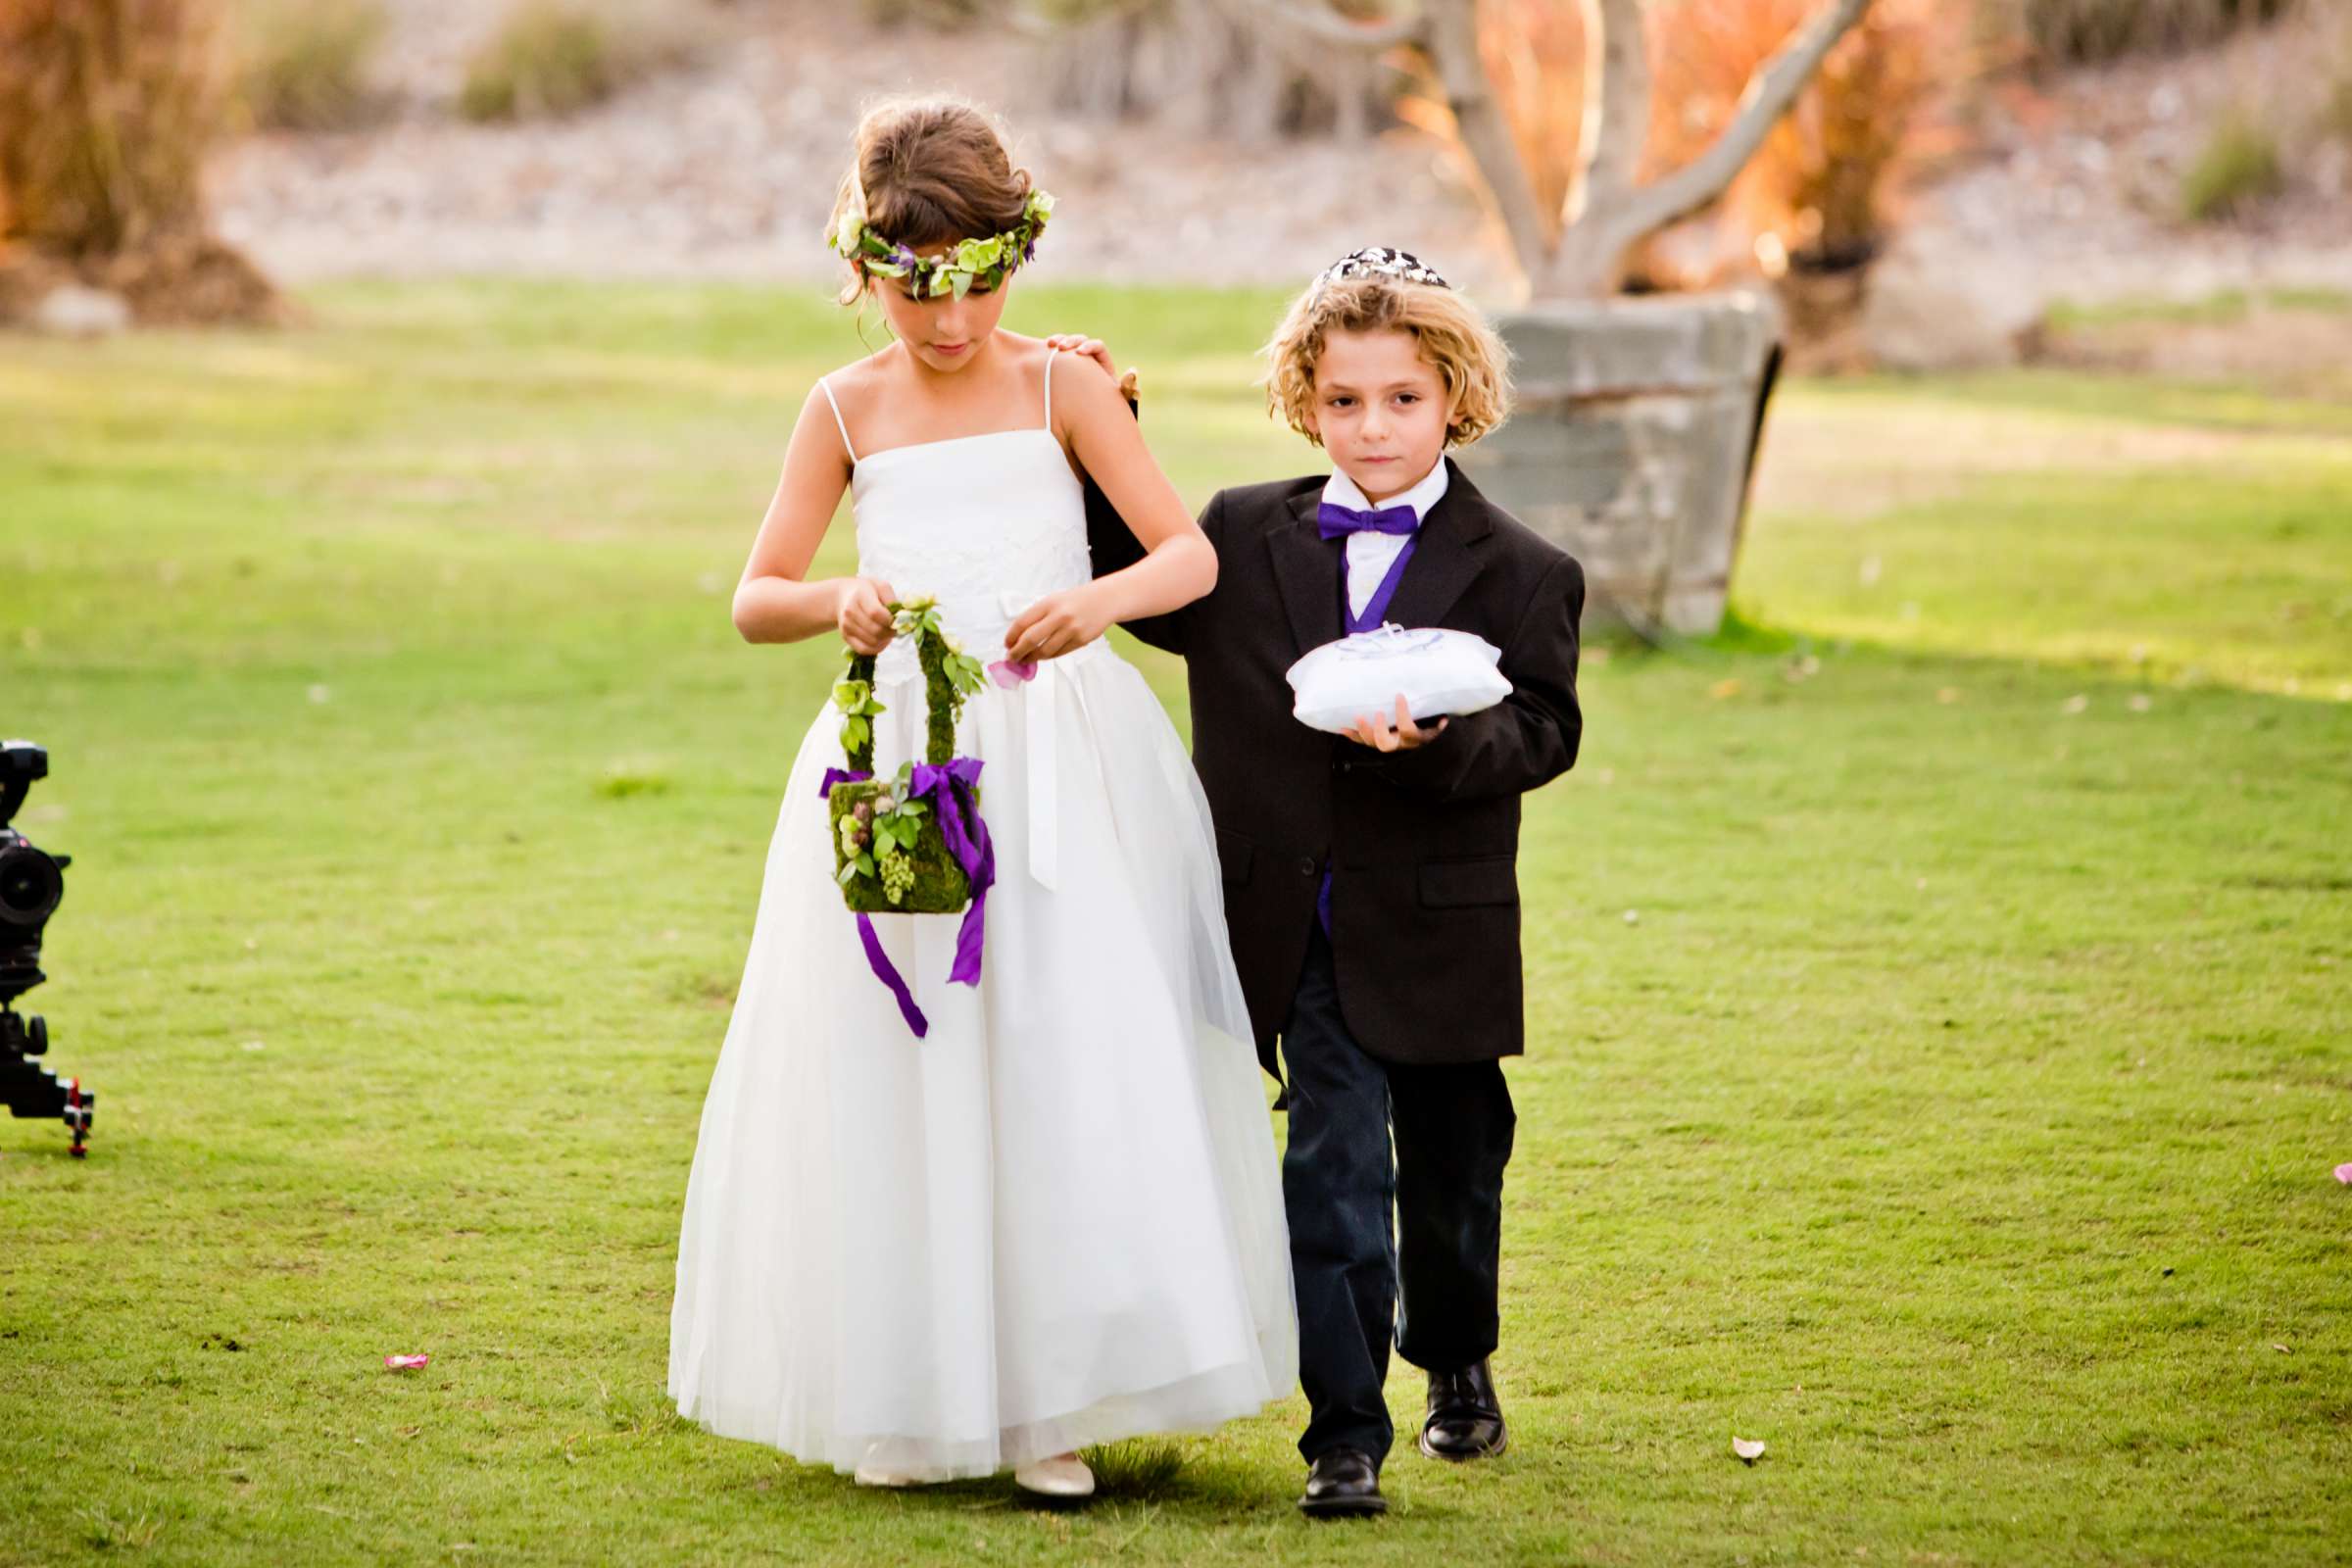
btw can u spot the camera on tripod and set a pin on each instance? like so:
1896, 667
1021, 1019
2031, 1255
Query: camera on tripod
32, 883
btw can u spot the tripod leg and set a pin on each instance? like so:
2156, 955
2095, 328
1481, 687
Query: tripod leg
30, 1089
78, 1116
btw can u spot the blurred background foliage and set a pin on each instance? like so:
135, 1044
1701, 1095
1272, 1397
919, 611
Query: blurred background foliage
109, 109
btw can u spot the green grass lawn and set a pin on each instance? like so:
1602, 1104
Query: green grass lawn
1940, 984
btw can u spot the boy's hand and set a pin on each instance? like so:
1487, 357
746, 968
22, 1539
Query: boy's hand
1086, 348
1400, 734
863, 614
1056, 624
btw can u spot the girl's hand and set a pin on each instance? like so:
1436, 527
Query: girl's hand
1086, 348
1402, 735
1058, 624
863, 613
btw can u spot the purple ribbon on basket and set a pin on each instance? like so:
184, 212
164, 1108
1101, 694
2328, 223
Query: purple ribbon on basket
840, 776
949, 790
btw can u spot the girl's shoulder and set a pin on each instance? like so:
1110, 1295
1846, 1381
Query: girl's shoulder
1022, 361
865, 374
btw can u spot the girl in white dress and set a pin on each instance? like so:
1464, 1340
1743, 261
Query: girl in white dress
1055, 1218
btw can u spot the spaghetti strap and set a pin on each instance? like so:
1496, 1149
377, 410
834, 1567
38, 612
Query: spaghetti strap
845, 429
1050, 353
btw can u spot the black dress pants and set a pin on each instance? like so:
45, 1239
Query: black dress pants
1368, 1229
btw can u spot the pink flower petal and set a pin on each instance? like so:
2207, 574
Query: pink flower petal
406, 1363
1011, 672
2343, 1173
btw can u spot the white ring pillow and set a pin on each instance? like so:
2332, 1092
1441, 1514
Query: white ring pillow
1438, 673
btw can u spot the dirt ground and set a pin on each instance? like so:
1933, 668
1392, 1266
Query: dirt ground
727, 169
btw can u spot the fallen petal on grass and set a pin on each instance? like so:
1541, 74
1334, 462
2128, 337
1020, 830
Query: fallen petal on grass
1749, 1449
406, 1363
2343, 1173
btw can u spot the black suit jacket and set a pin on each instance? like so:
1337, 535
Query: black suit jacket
1423, 843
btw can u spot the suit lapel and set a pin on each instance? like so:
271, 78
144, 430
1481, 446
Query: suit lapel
1306, 567
1447, 558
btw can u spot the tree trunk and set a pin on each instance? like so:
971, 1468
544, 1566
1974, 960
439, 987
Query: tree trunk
1613, 217
1452, 40
1218, 68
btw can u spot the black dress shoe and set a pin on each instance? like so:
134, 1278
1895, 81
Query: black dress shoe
1465, 1418
1344, 1483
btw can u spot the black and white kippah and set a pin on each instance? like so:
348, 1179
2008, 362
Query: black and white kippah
1378, 261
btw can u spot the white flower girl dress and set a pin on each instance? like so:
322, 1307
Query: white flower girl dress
1056, 1219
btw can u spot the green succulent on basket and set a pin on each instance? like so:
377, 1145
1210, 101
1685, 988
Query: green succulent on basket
890, 856
856, 700
881, 836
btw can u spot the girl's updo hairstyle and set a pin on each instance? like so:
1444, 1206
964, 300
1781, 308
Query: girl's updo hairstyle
929, 170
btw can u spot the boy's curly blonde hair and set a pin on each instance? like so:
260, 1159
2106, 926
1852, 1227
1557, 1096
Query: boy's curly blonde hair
1455, 340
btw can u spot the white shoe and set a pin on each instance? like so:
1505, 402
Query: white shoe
1065, 1477
872, 1472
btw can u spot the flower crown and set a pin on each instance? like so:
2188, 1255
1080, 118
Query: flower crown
969, 264
1378, 261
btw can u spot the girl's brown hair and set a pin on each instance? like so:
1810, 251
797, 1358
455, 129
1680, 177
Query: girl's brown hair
929, 171
1455, 339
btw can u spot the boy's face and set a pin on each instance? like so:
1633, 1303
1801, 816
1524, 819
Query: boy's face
1380, 409
944, 333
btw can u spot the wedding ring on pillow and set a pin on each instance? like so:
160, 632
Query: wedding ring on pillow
1438, 672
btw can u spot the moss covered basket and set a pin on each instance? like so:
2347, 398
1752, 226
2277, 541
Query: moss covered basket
891, 854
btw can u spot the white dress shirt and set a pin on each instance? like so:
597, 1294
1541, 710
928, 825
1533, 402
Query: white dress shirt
1370, 555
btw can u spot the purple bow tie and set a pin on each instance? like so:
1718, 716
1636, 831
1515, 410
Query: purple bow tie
1335, 521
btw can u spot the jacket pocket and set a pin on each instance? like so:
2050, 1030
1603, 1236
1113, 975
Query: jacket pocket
1234, 855
1454, 884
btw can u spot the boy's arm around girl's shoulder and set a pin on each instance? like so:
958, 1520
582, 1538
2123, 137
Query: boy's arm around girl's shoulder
1114, 546
1531, 737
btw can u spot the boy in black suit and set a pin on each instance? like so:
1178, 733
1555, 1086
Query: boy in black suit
1370, 881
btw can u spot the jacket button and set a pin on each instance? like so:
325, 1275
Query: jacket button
1307, 866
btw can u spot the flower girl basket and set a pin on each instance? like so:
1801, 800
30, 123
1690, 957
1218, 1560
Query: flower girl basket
911, 841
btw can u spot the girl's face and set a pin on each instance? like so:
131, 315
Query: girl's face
943, 333
1380, 409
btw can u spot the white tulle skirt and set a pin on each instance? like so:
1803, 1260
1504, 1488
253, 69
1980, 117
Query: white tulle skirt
1056, 1220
